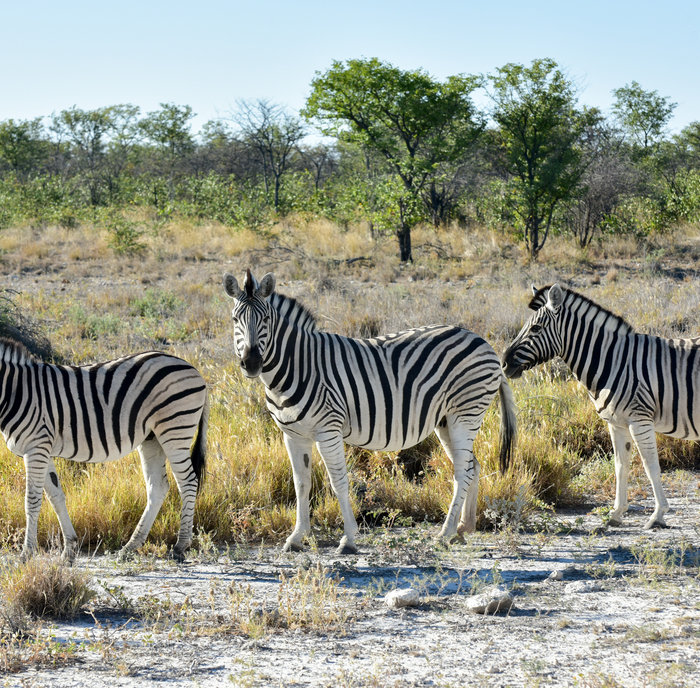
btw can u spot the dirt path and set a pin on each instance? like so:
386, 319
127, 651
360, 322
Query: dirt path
626, 612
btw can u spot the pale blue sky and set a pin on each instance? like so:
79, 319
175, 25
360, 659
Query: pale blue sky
211, 53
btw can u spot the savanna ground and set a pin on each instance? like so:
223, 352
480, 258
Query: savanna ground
625, 613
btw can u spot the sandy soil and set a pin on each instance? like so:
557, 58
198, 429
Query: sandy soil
626, 611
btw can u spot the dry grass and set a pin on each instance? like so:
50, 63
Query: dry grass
96, 304
43, 587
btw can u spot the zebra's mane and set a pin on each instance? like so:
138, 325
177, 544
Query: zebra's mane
540, 299
294, 312
14, 351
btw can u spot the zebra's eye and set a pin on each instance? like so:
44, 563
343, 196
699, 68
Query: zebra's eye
235, 319
535, 329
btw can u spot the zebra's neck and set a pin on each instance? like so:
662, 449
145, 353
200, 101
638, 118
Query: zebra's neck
592, 337
289, 361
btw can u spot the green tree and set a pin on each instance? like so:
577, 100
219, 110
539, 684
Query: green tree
169, 129
21, 144
412, 121
642, 114
539, 130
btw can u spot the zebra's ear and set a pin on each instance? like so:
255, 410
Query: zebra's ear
231, 286
555, 297
534, 289
267, 285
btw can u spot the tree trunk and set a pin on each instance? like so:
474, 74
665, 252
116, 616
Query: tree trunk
404, 237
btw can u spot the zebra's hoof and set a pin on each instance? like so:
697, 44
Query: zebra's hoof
615, 522
68, 556
177, 555
292, 547
126, 554
654, 524
26, 555
346, 549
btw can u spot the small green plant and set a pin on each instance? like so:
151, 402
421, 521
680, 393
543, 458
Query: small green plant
125, 236
93, 325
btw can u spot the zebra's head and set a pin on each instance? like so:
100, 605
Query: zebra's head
540, 338
251, 319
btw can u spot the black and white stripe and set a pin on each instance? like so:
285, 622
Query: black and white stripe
385, 393
639, 384
151, 401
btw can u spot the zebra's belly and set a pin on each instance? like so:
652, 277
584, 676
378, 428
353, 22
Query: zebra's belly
97, 453
684, 430
379, 442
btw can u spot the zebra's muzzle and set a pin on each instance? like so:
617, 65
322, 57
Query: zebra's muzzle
511, 366
251, 361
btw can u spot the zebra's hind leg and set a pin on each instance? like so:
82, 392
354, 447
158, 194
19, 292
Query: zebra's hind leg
622, 446
467, 521
299, 451
57, 499
458, 441
156, 479
644, 436
330, 446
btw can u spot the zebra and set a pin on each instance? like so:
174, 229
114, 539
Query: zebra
383, 393
150, 401
640, 384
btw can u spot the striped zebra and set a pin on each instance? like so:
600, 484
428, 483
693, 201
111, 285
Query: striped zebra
150, 401
385, 393
639, 384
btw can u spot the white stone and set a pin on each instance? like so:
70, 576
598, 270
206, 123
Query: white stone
494, 599
402, 597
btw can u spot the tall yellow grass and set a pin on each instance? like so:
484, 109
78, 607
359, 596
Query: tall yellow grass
474, 278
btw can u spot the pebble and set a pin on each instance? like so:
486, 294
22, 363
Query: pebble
494, 599
402, 597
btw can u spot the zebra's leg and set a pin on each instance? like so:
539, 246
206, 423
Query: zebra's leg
156, 479
187, 484
330, 447
622, 446
299, 451
458, 441
57, 499
644, 436
467, 521
35, 467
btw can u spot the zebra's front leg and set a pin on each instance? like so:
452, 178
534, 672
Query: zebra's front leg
156, 479
35, 467
57, 499
622, 446
458, 447
644, 436
299, 451
330, 447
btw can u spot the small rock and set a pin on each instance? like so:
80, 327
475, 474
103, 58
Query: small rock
403, 597
492, 600
560, 574
582, 586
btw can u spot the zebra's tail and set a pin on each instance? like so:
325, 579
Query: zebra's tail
508, 424
199, 450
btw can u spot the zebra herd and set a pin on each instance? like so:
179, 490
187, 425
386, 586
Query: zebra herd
384, 393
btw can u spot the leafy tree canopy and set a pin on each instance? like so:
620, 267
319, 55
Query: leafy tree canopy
539, 133
642, 114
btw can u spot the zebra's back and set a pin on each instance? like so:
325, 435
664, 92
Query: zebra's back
100, 412
664, 384
396, 388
